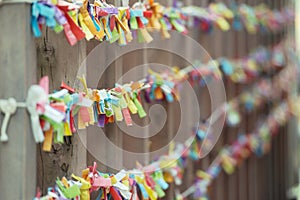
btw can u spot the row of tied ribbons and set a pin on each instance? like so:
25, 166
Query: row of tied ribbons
232, 156
150, 182
106, 22
277, 91
99, 107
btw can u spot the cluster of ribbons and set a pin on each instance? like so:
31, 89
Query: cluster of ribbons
102, 21
52, 115
232, 156
150, 182
265, 90
253, 19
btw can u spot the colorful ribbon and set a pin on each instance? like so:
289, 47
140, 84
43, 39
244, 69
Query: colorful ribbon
106, 22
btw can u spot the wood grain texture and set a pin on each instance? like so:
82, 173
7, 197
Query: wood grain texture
60, 61
18, 73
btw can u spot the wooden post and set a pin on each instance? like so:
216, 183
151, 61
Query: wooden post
60, 61
293, 136
18, 72
112, 132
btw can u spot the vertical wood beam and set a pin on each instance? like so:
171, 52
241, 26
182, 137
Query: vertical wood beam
60, 61
18, 72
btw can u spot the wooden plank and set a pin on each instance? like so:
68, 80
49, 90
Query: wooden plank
172, 110
292, 137
60, 61
211, 44
235, 47
292, 157
111, 160
132, 66
190, 111
18, 73
111, 131
249, 169
203, 95
96, 65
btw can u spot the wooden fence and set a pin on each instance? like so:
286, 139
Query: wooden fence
257, 178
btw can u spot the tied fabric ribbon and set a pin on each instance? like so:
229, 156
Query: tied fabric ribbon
36, 96
106, 22
72, 32
57, 114
123, 182
38, 104
116, 184
151, 179
8, 107
52, 115
47, 14
229, 157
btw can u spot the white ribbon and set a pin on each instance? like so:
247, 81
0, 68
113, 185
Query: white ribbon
123, 189
125, 3
8, 107
36, 94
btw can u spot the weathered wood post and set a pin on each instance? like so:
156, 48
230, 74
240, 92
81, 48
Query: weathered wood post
17, 73
60, 61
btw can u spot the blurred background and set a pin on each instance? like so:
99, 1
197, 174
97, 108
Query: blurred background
274, 175
267, 177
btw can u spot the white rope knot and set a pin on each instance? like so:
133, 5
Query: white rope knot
36, 96
8, 107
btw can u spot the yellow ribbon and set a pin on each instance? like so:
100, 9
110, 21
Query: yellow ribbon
85, 29
133, 109
67, 129
84, 190
105, 25
48, 140
89, 22
152, 194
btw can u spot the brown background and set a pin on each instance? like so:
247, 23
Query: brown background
256, 179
